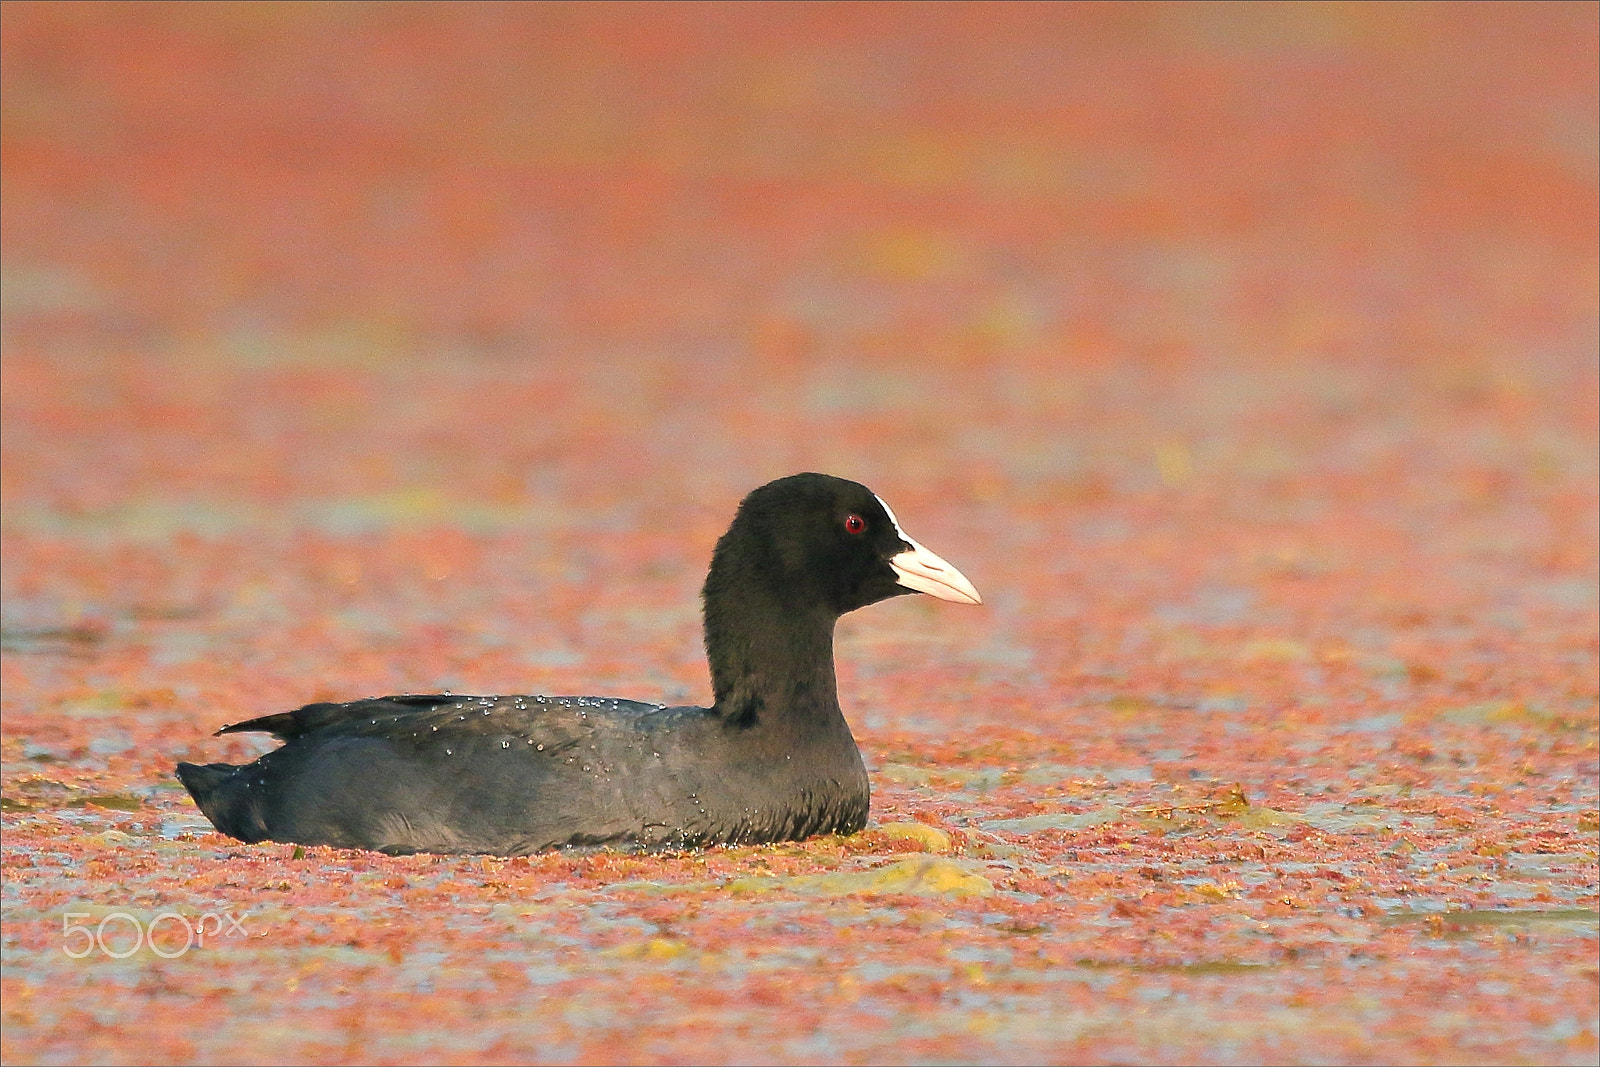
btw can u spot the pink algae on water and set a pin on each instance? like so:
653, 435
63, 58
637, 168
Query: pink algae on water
1242, 356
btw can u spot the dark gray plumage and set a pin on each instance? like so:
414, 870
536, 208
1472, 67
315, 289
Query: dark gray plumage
771, 760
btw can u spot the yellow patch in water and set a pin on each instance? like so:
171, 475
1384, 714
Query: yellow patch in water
917, 875
929, 837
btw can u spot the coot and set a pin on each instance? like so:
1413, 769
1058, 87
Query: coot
771, 760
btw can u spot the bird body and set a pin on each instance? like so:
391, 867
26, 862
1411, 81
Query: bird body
771, 759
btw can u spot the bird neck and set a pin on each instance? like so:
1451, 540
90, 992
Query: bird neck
771, 663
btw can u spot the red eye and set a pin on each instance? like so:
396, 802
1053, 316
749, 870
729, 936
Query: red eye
855, 524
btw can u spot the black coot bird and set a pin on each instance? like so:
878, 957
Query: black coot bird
771, 760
